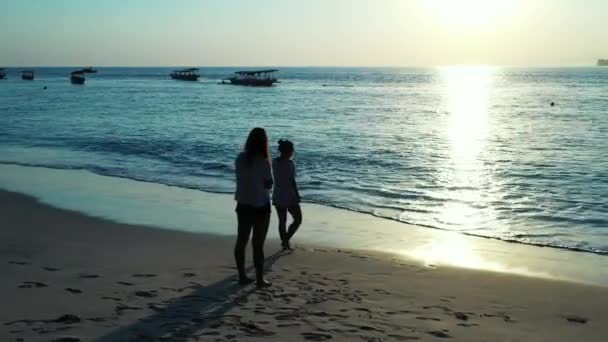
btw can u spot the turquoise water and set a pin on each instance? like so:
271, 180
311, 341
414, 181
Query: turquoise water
470, 149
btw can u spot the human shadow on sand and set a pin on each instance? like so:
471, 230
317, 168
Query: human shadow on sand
197, 314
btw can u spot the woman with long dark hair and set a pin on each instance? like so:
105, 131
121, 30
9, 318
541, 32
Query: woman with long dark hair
253, 184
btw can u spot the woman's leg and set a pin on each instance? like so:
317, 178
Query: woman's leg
296, 213
245, 224
282, 215
260, 229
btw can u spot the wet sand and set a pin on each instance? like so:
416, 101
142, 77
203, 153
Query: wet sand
70, 277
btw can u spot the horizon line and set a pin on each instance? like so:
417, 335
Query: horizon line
308, 66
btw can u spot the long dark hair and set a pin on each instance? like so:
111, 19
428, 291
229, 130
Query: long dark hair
257, 144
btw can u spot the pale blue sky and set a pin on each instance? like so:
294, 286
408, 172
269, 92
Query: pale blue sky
302, 32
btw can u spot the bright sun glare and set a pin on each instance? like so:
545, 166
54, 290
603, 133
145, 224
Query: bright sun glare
471, 14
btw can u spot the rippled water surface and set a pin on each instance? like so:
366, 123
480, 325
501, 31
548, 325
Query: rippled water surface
472, 149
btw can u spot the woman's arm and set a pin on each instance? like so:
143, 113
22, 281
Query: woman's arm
267, 176
293, 181
295, 187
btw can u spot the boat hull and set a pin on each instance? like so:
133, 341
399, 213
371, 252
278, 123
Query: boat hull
77, 80
185, 77
252, 82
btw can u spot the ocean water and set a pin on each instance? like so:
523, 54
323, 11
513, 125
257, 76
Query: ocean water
478, 150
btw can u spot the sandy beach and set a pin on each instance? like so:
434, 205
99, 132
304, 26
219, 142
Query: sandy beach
70, 277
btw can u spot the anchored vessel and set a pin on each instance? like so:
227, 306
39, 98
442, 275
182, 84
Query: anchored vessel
185, 75
77, 77
27, 75
254, 78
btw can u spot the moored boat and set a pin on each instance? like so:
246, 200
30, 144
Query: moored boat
27, 75
77, 77
89, 70
185, 75
254, 78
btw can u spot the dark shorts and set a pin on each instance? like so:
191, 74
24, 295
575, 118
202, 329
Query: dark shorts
244, 209
282, 207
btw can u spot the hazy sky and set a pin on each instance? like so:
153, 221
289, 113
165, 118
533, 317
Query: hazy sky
302, 32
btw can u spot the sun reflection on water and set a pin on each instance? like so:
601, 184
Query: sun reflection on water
463, 177
452, 249
468, 91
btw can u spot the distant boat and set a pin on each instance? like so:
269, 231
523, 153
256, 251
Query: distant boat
77, 77
185, 75
89, 70
27, 75
2, 74
254, 78
602, 62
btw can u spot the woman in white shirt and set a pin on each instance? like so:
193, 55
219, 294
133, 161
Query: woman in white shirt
253, 184
285, 195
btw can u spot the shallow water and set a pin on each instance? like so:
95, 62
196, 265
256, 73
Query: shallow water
471, 149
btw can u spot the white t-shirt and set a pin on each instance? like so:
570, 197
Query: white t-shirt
251, 179
284, 193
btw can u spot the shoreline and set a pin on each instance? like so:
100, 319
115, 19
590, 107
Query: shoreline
173, 208
69, 275
564, 248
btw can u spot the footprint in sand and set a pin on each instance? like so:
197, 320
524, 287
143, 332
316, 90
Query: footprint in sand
403, 337
51, 269
311, 336
146, 294
440, 334
383, 292
144, 275
96, 319
67, 319
461, 316
32, 284
156, 307
504, 317
576, 319
252, 329
468, 325
88, 276
124, 283
66, 339
20, 263
122, 307
370, 328
287, 325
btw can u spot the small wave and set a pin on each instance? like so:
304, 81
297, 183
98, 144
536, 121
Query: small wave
599, 251
574, 220
537, 235
521, 238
